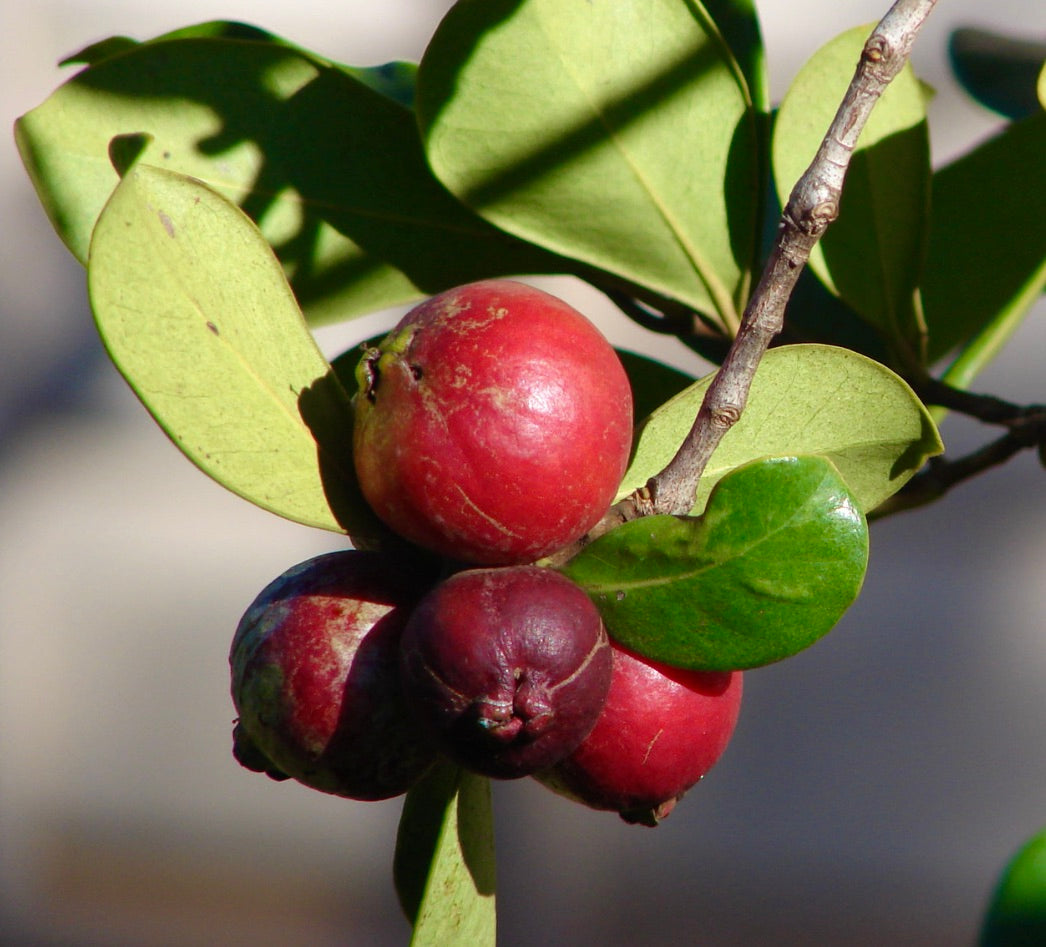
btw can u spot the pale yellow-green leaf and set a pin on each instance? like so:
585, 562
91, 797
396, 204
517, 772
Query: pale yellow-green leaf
457, 906
805, 399
197, 315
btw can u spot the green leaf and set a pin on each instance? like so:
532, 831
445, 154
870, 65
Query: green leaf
324, 158
618, 134
738, 23
805, 399
197, 315
444, 866
987, 255
1017, 914
872, 254
768, 569
813, 314
999, 71
396, 80
96, 52
388, 204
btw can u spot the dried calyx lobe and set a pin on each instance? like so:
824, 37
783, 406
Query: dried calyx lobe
507, 668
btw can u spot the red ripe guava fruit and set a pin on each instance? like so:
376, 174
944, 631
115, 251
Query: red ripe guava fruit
661, 730
507, 668
493, 425
315, 677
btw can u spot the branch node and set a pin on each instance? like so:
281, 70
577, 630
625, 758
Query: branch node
724, 416
876, 49
820, 216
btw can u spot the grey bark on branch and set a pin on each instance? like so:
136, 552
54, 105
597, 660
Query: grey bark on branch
812, 205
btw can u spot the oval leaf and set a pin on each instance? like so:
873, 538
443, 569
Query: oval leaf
805, 399
738, 23
197, 315
872, 254
325, 159
987, 255
620, 134
444, 865
768, 569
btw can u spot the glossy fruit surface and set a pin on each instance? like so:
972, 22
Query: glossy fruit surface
493, 425
315, 677
508, 668
662, 729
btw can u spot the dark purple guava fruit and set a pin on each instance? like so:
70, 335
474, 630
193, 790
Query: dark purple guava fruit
315, 677
507, 668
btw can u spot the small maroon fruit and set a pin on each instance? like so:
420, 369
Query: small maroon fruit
493, 425
315, 677
508, 668
661, 730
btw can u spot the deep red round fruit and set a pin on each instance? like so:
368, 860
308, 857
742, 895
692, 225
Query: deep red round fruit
493, 425
508, 668
315, 677
661, 730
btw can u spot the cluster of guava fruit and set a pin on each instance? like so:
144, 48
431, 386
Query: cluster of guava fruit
492, 428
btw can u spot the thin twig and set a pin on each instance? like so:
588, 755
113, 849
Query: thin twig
811, 207
987, 408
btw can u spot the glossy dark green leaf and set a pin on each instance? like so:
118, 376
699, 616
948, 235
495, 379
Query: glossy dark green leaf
767, 570
987, 255
1017, 913
621, 135
324, 158
196, 313
444, 866
872, 254
1000, 72
805, 399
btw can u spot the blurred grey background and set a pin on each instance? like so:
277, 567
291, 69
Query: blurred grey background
876, 783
